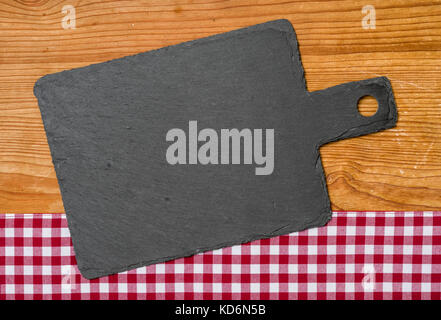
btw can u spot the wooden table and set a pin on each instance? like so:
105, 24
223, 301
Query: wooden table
399, 169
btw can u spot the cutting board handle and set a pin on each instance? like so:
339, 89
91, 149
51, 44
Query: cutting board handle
343, 119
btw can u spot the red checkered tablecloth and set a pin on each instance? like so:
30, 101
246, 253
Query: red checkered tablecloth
362, 255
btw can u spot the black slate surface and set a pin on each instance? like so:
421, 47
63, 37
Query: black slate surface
106, 125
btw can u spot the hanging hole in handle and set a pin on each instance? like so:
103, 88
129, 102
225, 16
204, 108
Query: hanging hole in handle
367, 106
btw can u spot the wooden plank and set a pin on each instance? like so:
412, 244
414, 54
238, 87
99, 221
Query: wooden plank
394, 170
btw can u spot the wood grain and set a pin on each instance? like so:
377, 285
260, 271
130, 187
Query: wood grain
399, 169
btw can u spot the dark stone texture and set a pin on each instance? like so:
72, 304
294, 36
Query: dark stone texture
128, 207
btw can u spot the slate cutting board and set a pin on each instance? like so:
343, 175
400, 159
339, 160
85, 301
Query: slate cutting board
128, 206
